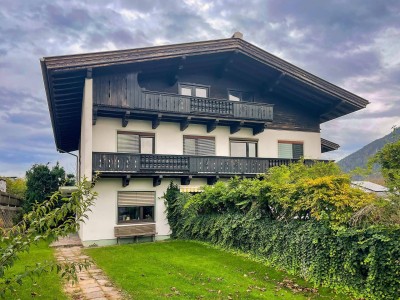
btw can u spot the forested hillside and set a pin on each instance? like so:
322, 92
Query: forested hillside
360, 157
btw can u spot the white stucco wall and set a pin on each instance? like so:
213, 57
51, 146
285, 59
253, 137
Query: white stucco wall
103, 217
169, 138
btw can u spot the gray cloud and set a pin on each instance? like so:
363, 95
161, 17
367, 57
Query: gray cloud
355, 44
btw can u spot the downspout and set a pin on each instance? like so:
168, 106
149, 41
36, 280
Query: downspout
78, 178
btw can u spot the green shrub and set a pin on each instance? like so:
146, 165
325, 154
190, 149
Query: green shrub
299, 219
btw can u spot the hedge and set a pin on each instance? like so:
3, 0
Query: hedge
362, 261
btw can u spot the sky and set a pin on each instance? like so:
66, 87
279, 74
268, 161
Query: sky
353, 44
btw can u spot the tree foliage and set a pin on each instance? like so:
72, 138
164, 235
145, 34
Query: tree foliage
41, 182
321, 192
49, 219
16, 187
389, 160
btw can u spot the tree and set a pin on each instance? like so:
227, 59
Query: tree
48, 219
389, 160
41, 181
16, 187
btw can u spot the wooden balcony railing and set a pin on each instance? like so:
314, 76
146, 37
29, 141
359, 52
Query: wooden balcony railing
125, 163
173, 103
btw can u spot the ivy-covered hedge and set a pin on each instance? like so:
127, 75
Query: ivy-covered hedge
311, 243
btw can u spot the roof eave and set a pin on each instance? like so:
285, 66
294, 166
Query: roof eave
49, 100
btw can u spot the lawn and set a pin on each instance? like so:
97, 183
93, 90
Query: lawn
47, 286
192, 270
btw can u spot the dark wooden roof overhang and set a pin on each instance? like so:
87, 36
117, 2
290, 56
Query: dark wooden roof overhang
327, 146
64, 79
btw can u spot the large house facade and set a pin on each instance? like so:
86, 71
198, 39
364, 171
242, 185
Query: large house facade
189, 113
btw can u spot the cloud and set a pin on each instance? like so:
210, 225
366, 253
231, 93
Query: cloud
355, 44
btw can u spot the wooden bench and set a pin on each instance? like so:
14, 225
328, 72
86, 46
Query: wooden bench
135, 230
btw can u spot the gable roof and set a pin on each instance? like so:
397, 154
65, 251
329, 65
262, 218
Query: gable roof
64, 78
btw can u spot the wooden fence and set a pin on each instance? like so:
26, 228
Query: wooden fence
9, 207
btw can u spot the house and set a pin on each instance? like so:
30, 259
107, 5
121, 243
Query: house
371, 187
190, 113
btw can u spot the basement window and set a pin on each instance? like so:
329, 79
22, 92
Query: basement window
291, 150
135, 207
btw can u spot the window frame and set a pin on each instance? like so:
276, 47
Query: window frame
241, 94
243, 140
198, 137
290, 143
193, 87
140, 134
133, 221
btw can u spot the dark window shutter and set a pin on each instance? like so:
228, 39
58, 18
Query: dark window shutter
298, 151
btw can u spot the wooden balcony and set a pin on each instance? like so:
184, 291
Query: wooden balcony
181, 166
121, 96
163, 102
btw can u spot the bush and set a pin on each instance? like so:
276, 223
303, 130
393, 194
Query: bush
298, 219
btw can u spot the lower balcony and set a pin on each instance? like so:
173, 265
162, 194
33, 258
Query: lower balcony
157, 166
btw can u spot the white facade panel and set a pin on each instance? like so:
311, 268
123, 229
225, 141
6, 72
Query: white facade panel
169, 138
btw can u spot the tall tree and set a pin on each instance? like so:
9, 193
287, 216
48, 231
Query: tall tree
41, 182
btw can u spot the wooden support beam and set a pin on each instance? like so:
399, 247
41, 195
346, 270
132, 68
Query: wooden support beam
212, 125
89, 72
95, 111
186, 180
125, 119
155, 122
212, 180
157, 180
258, 129
185, 123
236, 127
126, 180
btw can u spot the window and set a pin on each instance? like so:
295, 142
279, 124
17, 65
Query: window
134, 142
240, 96
198, 145
243, 148
194, 90
135, 207
287, 149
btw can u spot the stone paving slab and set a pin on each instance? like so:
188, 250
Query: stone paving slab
71, 240
92, 284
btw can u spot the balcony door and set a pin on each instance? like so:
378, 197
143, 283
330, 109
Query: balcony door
243, 148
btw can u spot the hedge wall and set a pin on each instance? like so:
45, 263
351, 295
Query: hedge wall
364, 262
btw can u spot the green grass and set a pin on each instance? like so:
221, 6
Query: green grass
47, 286
193, 270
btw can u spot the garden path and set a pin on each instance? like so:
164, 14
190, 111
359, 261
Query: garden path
92, 283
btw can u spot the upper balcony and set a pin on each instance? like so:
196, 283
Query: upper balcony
121, 96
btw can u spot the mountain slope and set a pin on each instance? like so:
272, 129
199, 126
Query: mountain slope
360, 157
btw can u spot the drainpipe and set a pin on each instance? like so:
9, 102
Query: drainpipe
77, 163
